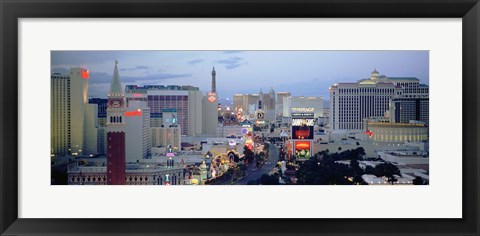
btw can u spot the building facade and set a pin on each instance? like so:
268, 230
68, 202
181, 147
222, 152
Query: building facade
245, 102
90, 143
138, 132
102, 105
279, 102
406, 109
303, 104
386, 132
138, 174
250, 103
69, 99
351, 103
186, 100
238, 102
210, 109
196, 113
167, 136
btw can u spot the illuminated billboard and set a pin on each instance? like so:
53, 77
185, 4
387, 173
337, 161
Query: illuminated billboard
303, 149
302, 125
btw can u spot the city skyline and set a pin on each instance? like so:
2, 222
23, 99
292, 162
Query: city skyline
242, 71
149, 131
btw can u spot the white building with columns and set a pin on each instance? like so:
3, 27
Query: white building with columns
351, 103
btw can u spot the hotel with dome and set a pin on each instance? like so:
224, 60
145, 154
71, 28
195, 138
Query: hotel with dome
398, 99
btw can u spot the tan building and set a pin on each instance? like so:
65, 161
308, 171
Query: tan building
164, 136
239, 102
249, 103
386, 132
136, 174
279, 102
69, 102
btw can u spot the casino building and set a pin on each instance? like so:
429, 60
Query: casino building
186, 100
196, 113
135, 174
267, 102
295, 104
73, 119
401, 98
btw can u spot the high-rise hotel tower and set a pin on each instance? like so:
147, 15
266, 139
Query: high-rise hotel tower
69, 99
116, 132
401, 98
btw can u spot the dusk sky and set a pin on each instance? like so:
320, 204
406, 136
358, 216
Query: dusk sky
307, 73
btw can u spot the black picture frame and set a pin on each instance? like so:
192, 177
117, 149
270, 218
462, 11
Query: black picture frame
11, 11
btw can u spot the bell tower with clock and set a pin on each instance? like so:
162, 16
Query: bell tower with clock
116, 132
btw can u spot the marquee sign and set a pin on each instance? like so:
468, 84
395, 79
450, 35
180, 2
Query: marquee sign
303, 109
306, 115
302, 125
302, 122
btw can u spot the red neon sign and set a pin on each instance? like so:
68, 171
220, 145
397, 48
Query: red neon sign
302, 145
84, 73
134, 113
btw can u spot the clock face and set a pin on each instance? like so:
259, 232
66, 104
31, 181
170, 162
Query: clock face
115, 103
260, 116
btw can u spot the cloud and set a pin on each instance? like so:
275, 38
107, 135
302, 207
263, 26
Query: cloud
232, 62
232, 66
194, 62
102, 77
135, 68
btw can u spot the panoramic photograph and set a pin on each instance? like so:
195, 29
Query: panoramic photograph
239, 117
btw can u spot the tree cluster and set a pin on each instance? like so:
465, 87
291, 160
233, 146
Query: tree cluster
266, 179
324, 169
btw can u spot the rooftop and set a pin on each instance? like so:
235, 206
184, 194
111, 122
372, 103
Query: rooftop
102, 169
404, 78
130, 88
